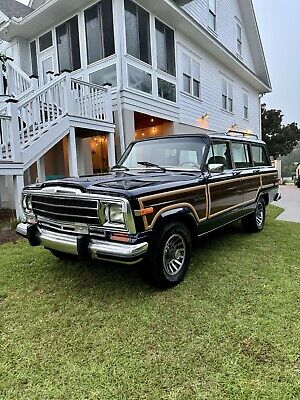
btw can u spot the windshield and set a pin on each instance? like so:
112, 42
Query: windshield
173, 153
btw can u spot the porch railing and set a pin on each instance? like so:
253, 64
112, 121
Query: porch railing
18, 82
5, 138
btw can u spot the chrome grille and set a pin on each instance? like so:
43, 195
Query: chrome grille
66, 209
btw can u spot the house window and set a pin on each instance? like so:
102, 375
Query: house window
34, 64
105, 75
239, 41
137, 32
166, 90
191, 76
46, 41
139, 79
165, 48
99, 31
212, 14
68, 45
227, 95
246, 106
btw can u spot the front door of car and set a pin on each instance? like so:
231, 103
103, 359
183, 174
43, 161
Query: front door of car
225, 192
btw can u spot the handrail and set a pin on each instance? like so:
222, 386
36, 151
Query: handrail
18, 70
43, 89
89, 84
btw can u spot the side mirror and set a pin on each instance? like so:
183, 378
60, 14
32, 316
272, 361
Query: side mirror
215, 168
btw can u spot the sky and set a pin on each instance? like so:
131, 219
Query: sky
279, 25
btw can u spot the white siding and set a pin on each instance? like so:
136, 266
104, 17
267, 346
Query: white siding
227, 13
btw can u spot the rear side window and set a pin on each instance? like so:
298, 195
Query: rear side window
241, 155
259, 156
219, 153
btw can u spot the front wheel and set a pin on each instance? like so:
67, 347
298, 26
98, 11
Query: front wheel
255, 221
169, 256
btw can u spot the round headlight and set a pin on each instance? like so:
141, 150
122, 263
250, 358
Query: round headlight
115, 214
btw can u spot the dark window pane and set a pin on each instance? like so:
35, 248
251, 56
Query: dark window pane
34, 65
46, 41
196, 88
75, 43
165, 47
131, 22
105, 75
186, 83
93, 34
108, 28
166, 90
63, 47
221, 155
144, 35
140, 80
259, 156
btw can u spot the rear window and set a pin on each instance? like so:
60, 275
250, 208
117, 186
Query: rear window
241, 155
259, 156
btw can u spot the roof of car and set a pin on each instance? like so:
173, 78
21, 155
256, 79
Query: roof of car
238, 136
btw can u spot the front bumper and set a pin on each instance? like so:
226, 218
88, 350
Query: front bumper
84, 246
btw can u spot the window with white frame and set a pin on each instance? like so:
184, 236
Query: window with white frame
165, 48
191, 76
239, 39
99, 31
137, 22
246, 106
212, 14
67, 37
227, 95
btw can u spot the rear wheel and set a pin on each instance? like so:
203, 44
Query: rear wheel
255, 221
169, 256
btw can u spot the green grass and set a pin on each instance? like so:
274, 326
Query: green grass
87, 331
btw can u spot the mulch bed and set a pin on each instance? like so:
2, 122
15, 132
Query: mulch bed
7, 233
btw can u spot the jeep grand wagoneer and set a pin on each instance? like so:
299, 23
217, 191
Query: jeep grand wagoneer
163, 193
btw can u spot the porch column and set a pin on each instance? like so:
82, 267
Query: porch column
18, 181
72, 153
80, 155
111, 150
41, 173
129, 126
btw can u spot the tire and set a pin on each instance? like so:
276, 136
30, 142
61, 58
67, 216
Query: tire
255, 221
62, 256
169, 256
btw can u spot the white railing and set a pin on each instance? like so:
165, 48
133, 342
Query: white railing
91, 101
42, 110
18, 82
5, 139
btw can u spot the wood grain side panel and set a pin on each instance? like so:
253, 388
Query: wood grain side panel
225, 196
251, 188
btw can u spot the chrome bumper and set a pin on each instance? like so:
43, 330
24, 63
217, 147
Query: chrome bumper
97, 249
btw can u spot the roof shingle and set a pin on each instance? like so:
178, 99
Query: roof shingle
12, 8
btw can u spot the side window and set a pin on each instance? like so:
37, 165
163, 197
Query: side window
219, 153
241, 155
259, 156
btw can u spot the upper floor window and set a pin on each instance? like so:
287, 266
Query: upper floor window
34, 64
239, 39
227, 95
165, 48
99, 31
45, 41
191, 76
246, 106
137, 32
68, 45
212, 14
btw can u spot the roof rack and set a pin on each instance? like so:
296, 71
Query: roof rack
242, 133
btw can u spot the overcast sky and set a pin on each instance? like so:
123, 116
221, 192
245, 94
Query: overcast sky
279, 26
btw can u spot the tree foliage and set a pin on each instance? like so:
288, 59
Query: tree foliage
281, 139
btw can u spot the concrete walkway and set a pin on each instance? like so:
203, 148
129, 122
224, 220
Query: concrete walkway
290, 202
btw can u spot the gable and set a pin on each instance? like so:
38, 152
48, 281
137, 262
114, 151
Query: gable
229, 14
12, 8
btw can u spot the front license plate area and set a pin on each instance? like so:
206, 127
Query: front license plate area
81, 229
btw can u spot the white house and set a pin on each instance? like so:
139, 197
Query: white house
84, 78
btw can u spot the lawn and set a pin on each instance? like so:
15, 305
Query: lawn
87, 331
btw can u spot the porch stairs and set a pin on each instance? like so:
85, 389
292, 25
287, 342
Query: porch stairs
34, 119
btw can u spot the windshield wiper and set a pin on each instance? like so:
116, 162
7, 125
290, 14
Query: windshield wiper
122, 167
149, 164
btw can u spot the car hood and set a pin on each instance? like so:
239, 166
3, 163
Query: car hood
128, 184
